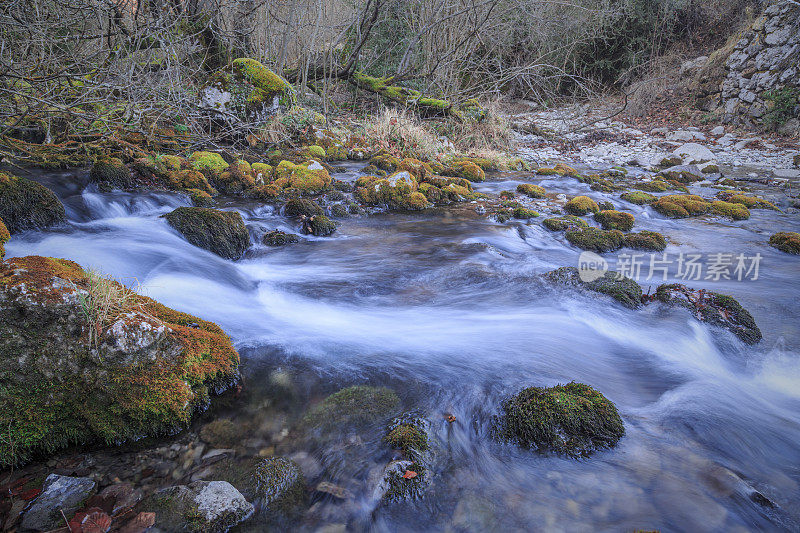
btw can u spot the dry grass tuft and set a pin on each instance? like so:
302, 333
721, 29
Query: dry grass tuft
107, 300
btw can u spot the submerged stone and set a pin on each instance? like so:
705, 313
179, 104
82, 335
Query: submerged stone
279, 483
572, 419
625, 290
280, 238
59, 494
356, 405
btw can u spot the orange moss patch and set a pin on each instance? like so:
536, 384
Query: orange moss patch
4, 237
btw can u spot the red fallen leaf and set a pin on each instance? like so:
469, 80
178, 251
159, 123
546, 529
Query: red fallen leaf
28, 495
410, 474
451, 418
96, 522
139, 523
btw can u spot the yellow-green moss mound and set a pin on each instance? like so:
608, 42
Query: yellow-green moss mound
681, 205
785, 241
73, 376
611, 219
4, 237
221, 232
581, 205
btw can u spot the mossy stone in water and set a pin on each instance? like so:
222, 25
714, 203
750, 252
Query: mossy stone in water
610, 219
524, 213
645, 240
564, 223
279, 483
356, 405
319, 226
25, 204
581, 205
111, 174
785, 241
220, 232
681, 205
200, 198
624, 290
731, 210
296, 207
596, 240
222, 433
408, 434
639, 197
572, 419
529, 189
280, 238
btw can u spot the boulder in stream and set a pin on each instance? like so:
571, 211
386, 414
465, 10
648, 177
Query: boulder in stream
220, 232
572, 419
624, 290
76, 370
59, 494
25, 204
785, 241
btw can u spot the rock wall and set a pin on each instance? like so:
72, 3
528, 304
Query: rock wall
766, 57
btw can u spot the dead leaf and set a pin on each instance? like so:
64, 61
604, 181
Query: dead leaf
96, 522
140, 523
410, 474
451, 418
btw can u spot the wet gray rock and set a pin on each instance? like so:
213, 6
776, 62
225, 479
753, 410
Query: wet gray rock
59, 493
693, 153
624, 290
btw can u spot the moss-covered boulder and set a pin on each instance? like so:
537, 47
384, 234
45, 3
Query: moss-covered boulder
750, 202
236, 179
785, 241
297, 207
25, 204
645, 240
651, 186
279, 238
247, 90
567, 222
353, 406
111, 173
467, 170
524, 213
572, 419
318, 225
220, 232
712, 307
75, 370
308, 178
200, 198
595, 240
581, 205
610, 219
4, 238
731, 210
639, 197
624, 290
211, 164
529, 189
681, 205
408, 434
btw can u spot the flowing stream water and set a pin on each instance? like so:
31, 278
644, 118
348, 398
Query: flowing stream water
447, 308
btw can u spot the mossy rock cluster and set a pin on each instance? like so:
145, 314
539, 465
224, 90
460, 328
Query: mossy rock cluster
651, 186
572, 419
400, 190
681, 205
785, 241
466, 169
255, 91
147, 370
531, 190
625, 290
221, 433
220, 232
297, 207
25, 204
601, 241
730, 210
581, 205
714, 308
111, 173
353, 406
750, 202
409, 435
611, 219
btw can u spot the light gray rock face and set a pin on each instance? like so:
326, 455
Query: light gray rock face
693, 153
59, 493
220, 505
765, 58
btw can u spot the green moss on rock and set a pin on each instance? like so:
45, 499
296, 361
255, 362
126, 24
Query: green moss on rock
279, 484
524, 213
221, 232
730, 210
681, 205
4, 237
279, 238
111, 173
638, 198
25, 204
296, 207
566, 222
529, 189
625, 290
200, 198
645, 240
596, 240
210, 163
319, 226
572, 419
651, 186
